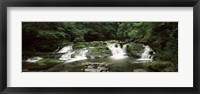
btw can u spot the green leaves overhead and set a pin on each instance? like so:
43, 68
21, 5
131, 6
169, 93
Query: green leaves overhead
51, 34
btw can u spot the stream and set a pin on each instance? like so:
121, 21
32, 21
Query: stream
76, 60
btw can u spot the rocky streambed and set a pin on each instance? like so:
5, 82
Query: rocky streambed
96, 56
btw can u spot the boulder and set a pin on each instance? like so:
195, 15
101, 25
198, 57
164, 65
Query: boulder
135, 49
98, 52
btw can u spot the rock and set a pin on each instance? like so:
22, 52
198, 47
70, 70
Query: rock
102, 69
98, 52
112, 41
90, 70
80, 45
95, 67
73, 56
139, 70
135, 49
90, 67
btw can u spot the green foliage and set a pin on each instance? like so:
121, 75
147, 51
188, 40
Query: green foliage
51, 34
161, 36
42, 36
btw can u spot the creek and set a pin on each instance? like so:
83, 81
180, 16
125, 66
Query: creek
76, 60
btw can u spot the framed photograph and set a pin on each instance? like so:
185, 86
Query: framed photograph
75, 47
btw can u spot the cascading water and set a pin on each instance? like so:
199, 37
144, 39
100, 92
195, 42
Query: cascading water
80, 55
65, 49
117, 51
148, 54
71, 56
124, 48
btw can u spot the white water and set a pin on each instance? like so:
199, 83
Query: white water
65, 49
117, 51
146, 54
71, 56
33, 59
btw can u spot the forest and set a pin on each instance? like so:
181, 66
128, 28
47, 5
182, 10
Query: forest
100, 46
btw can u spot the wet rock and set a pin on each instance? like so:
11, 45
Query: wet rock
135, 50
98, 52
96, 67
90, 67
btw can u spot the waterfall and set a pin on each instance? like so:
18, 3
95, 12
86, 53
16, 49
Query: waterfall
117, 51
65, 49
73, 55
80, 55
148, 53
124, 48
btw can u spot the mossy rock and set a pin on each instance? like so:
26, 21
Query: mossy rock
80, 45
135, 50
96, 43
139, 70
112, 41
98, 52
162, 66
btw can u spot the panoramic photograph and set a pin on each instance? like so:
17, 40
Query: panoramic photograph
99, 46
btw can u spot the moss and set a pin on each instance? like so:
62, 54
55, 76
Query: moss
96, 43
48, 61
162, 66
112, 41
98, 52
80, 45
134, 50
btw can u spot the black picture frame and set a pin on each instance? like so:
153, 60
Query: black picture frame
98, 3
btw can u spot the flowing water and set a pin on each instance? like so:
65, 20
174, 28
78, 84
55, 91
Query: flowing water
66, 49
117, 51
148, 54
119, 61
72, 55
33, 59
